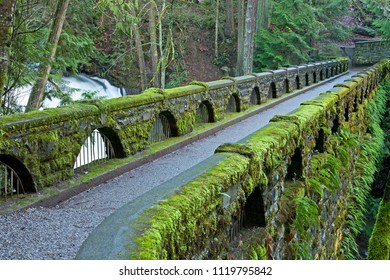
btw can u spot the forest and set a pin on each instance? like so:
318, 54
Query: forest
138, 44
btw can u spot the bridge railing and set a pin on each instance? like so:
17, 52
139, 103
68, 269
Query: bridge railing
42, 147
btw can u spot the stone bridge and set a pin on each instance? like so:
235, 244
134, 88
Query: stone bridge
289, 191
292, 190
42, 148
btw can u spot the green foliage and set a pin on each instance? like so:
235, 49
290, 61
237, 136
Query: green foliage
299, 32
279, 48
381, 20
367, 166
176, 79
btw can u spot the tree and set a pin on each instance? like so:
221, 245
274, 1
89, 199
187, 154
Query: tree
240, 37
153, 42
250, 25
263, 17
38, 90
229, 14
246, 31
138, 46
300, 31
6, 19
381, 9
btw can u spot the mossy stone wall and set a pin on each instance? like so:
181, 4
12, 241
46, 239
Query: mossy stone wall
370, 52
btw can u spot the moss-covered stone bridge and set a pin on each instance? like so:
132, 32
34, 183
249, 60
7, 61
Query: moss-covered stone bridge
42, 147
291, 189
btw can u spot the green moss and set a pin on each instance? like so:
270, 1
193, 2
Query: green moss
130, 101
379, 245
186, 123
184, 91
185, 219
31, 120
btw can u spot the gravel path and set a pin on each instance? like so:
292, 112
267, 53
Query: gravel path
58, 232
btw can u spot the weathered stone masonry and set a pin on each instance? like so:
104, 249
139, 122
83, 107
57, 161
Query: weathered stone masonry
293, 184
42, 146
370, 52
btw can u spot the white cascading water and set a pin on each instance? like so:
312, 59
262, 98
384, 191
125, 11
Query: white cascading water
82, 83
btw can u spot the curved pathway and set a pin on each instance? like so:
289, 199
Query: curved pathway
58, 232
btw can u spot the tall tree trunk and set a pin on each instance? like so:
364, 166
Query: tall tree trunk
6, 20
153, 42
240, 37
216, 26
263, 17
38, 90
139, 50
229, 25
250, 24
161, 46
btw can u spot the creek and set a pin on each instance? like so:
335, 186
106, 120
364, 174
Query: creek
80, 83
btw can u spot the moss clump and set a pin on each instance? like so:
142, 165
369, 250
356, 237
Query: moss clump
379, 244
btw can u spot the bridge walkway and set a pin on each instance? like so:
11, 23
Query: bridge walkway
58, 232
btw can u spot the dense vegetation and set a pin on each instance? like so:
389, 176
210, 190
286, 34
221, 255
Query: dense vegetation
158, 43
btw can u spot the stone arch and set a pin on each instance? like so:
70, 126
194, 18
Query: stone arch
321, 74
163, 127
297, 82
346, 113
314, 77
356, 102
335, 124
307, 80
295, 168
286, 86
115, 141
233, 105
320, 141
101, 145
254, 212
272, 93
255, 96
205, 112
19, 174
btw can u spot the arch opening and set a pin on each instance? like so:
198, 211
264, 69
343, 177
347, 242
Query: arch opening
15, 178
297, 82
346, 113
204, 113
307, 81
286, 86
272, 91
295, 169
254, 213
314, 77
320, 141
255, 96
336, 125
163, 127
233, 105
98, 148
251, 214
